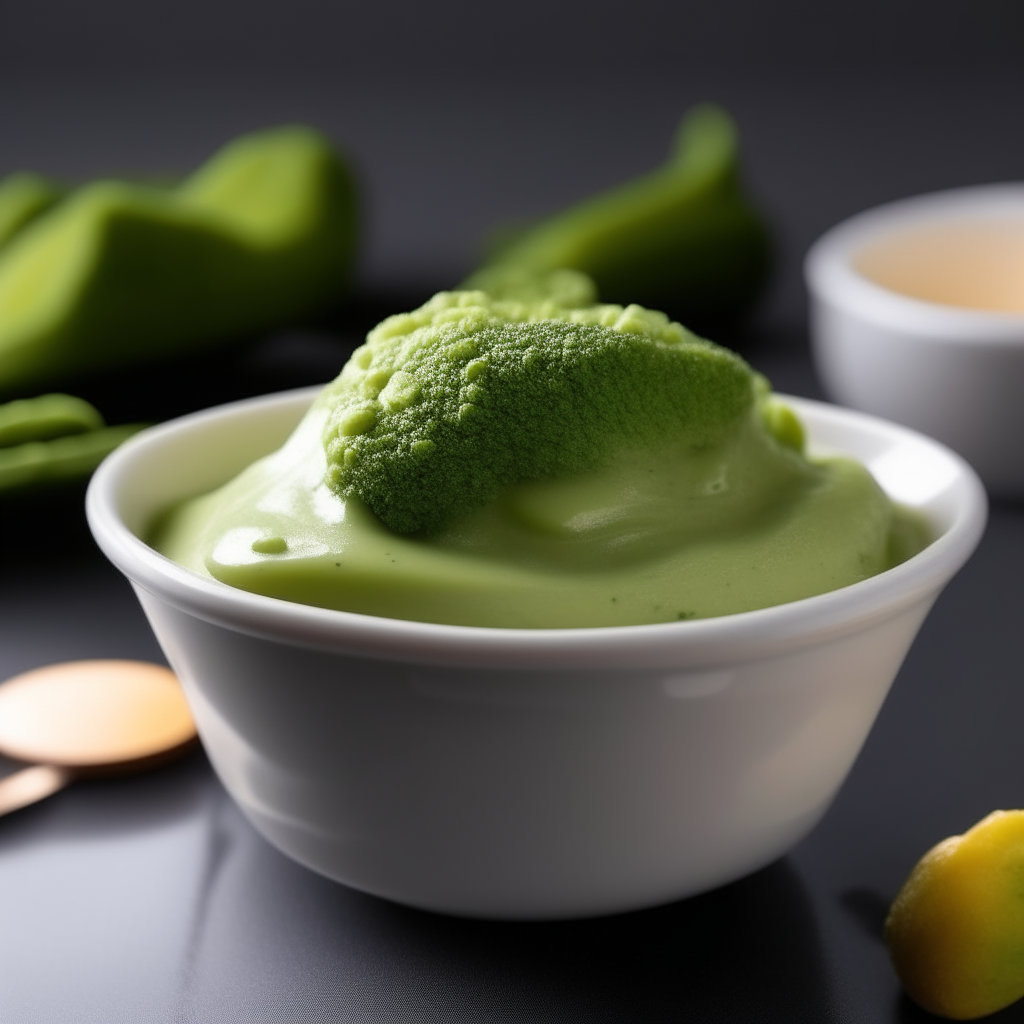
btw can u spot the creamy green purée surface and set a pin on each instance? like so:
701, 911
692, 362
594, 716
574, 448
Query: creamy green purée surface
499, 463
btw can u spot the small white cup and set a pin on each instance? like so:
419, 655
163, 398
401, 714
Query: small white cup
528, 773
952, 372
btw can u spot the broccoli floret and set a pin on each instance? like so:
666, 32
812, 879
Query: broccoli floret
445, 407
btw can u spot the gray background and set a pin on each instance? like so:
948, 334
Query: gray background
462, 116
151, 899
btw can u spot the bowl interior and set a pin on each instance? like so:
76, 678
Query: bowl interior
187, 457
197, 453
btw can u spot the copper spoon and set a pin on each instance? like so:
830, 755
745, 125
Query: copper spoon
83, 719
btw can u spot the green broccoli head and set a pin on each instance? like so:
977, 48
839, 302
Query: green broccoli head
445, 407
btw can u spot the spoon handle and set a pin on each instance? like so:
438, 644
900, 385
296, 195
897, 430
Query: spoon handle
31, 784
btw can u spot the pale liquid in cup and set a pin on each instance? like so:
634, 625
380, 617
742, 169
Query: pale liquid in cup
971, 264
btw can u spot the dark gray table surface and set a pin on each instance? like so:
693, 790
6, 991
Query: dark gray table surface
152, 899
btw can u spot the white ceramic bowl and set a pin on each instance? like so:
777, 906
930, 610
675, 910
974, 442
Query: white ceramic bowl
952, 372
527, 773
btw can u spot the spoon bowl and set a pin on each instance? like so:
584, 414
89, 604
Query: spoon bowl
86, 719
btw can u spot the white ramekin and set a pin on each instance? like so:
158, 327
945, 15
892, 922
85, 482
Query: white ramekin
954, 373
528, 773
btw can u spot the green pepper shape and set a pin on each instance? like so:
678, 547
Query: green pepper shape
564, 288
683, 238
23, 197
263, 234
39, 419
53, 438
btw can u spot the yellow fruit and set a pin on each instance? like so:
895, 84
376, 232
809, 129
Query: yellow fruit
956, 930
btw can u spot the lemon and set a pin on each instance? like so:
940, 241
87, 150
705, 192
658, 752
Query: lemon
955, 932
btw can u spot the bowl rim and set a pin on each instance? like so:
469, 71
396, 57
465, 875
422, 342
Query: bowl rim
694, 643
831, 277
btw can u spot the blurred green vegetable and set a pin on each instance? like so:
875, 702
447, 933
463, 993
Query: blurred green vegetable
568, 289
53, 438
684, 238
39, 419
23, 197
261, 235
